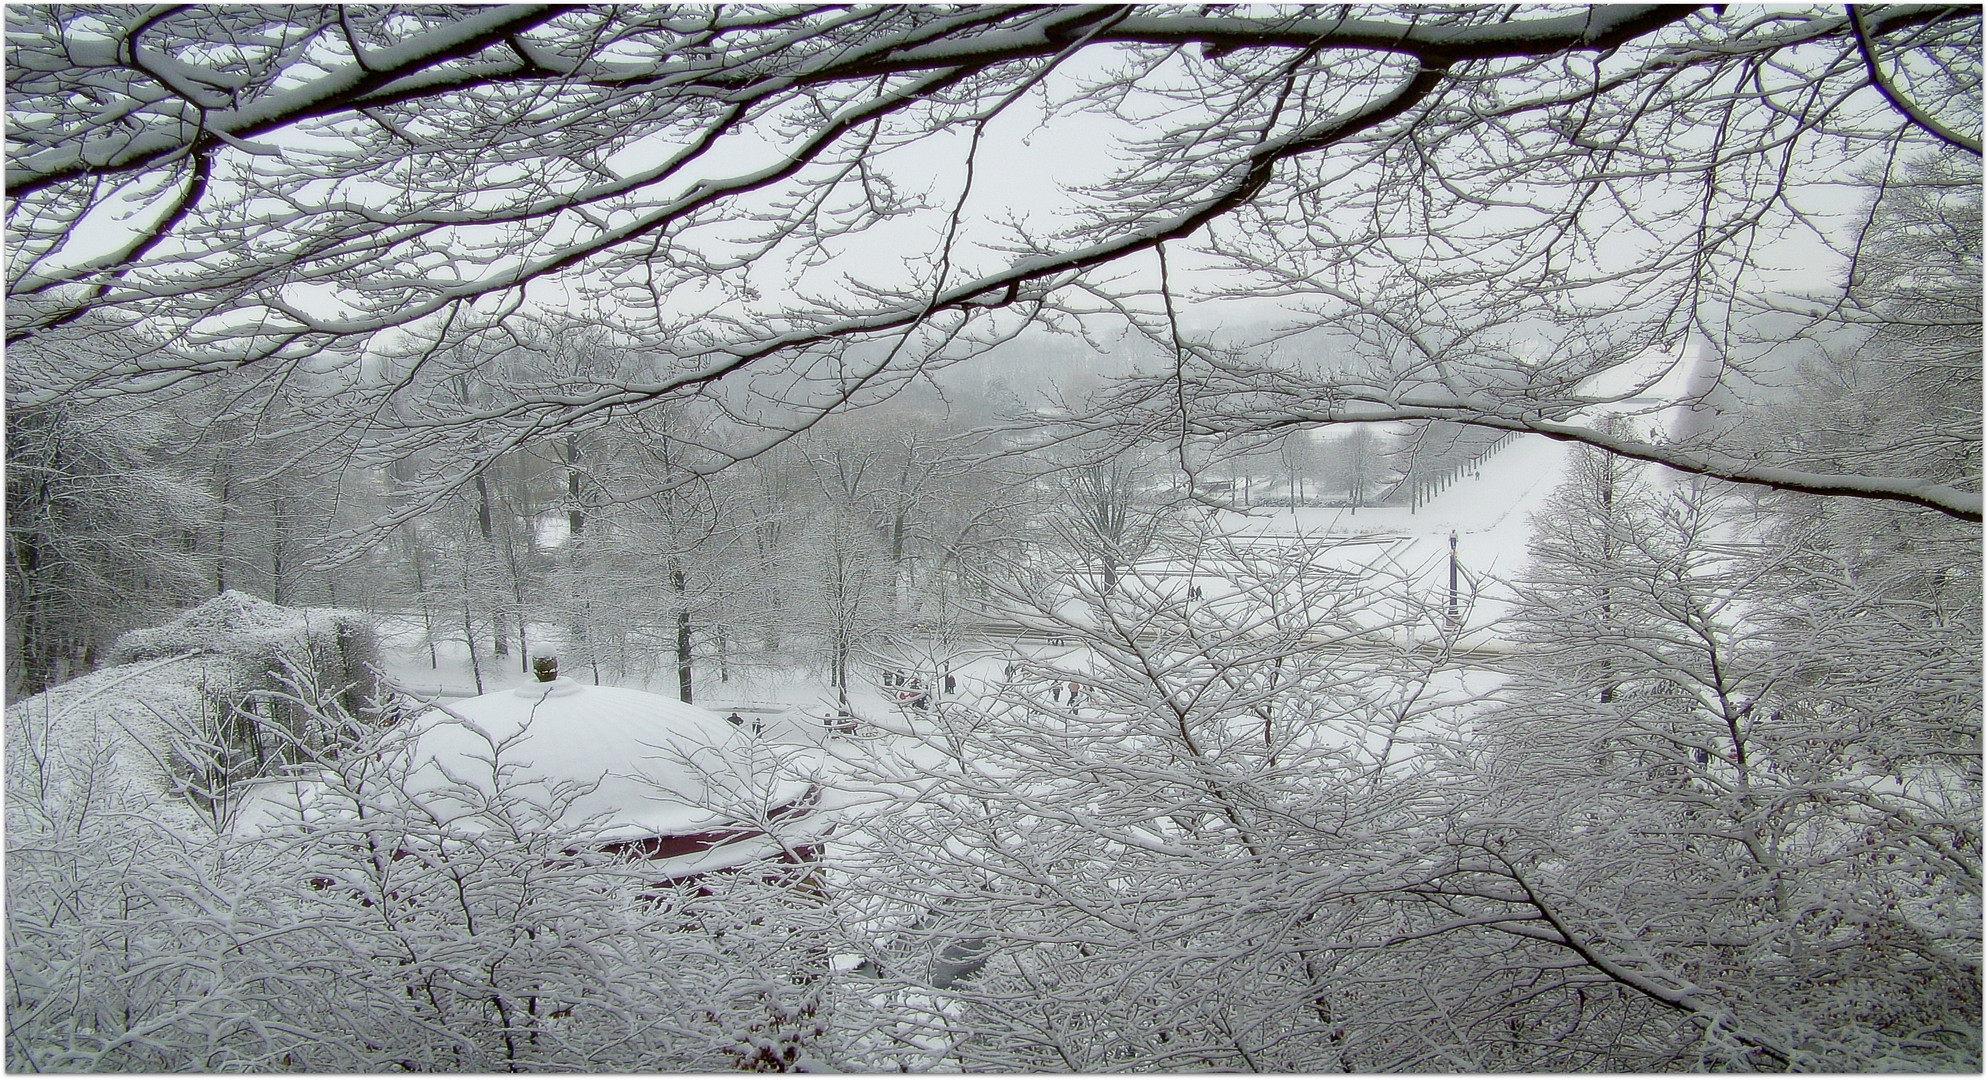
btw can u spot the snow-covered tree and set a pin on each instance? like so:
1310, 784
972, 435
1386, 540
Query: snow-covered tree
1359, 463
99, 537
1664, 810
845, 591
1107, 511
741, 191
1158, 873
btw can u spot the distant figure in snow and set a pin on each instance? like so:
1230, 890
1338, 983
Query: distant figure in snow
736, 720
1056, 693
1073, 693
1194, 592
1008, 673
951, 685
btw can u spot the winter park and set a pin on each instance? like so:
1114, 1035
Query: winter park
642, 538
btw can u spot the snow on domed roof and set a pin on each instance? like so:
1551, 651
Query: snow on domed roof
656, 767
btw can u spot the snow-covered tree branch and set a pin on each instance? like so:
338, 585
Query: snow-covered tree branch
769, 204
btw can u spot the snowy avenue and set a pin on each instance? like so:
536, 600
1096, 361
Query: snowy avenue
1066, 538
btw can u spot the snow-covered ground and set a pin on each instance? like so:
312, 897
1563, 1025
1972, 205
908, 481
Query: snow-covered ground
1489, 511
1488, 504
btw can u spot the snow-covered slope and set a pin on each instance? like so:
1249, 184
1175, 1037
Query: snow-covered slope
1506, 487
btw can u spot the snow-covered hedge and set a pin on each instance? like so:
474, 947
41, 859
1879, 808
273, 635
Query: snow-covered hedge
257, 638
199, 706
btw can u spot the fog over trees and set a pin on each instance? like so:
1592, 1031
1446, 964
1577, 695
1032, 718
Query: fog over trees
948, 370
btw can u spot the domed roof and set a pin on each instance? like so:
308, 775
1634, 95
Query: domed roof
654, 766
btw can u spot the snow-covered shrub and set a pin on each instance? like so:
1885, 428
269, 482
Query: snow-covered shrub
122, 914
250, 641
1164, 875
363, 933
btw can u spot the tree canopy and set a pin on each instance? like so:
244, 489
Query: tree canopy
776, 210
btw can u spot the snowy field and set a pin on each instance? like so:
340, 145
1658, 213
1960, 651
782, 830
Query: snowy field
1489, 511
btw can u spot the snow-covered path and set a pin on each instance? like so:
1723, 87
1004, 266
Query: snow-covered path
1490, 512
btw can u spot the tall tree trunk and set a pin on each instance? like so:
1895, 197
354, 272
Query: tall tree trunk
574, 520
483, 523
221, 532
277, 529
1607, 560
515, 564
842, 672
593, 654
421, 591
27, 658
682, 636
469, 637
839, 592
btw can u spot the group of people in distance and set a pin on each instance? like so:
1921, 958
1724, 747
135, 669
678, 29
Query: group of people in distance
910, 690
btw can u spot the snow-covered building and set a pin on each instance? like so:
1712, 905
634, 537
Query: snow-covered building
646, 776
